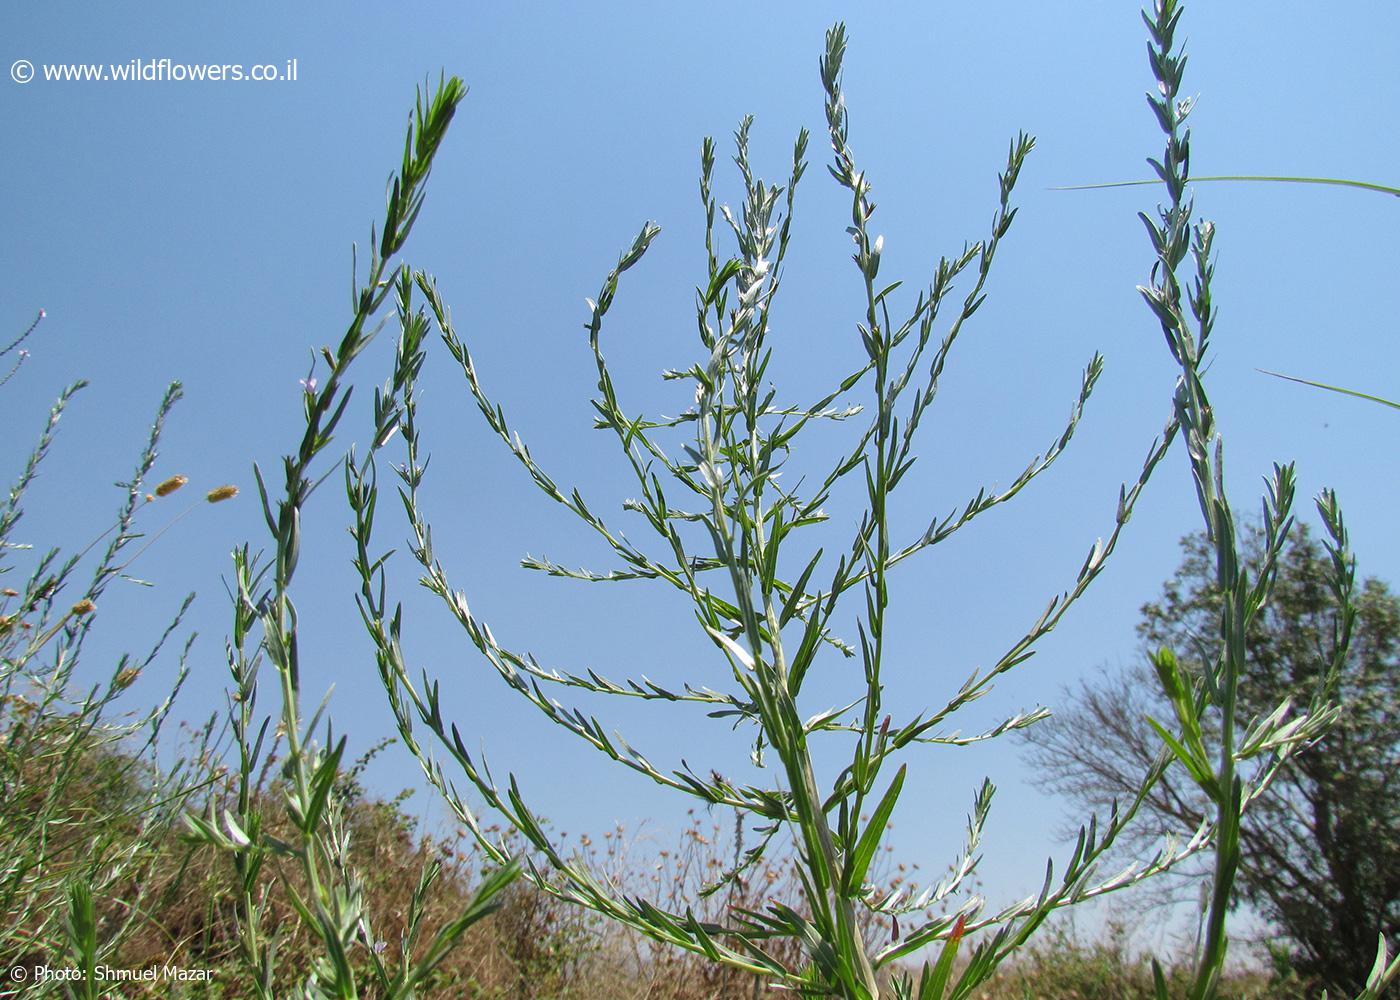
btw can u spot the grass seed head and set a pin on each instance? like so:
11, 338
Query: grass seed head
170, 485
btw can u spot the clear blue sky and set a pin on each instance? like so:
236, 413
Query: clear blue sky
202, 232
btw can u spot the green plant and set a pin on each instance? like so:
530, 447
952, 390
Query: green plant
1214, 753
23, 355
1370, 186
1335, 388
84, 806
773, 617
1321, 850
777, 618
328, 893
1065, 964
1247, 178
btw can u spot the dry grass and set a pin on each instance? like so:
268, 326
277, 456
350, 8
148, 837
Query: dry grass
535, 948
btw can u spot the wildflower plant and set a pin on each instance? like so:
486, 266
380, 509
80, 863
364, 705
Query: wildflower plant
20, 353
84, 803
723, 527
773, 620
773, 598
314, 863
1238, 766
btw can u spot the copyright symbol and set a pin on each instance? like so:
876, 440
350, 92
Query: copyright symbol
18, 973
21, 71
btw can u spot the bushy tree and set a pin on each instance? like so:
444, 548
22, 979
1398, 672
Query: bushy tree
1321, 849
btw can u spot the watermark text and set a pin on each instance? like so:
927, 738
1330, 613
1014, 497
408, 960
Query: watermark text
28, 976
154, 71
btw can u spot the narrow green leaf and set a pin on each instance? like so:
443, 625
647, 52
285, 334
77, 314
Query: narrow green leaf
1337, 181
321, 783
1332, 388
870, 840
932, 985
1200, 771
1159, 981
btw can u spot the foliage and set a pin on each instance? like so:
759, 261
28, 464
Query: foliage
84, 805
1209, 741
774, 620
1338, 389
1063, 965
1321, 851
329, 894
536, 947
752, 556
1249, 178
1386, 189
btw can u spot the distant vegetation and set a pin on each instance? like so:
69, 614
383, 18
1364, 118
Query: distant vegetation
534, 948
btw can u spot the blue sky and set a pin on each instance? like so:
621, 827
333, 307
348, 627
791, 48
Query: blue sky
202, 232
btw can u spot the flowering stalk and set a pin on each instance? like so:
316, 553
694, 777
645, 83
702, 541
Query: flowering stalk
332, 906
1187, 322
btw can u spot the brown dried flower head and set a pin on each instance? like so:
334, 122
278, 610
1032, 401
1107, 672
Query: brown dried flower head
171, 485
